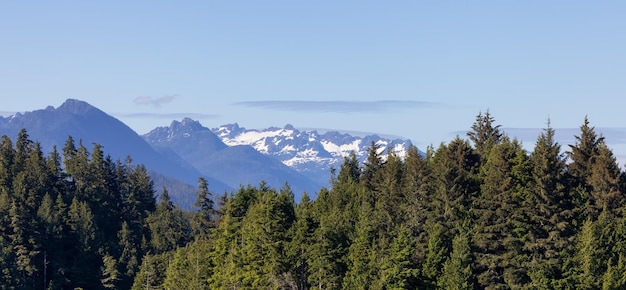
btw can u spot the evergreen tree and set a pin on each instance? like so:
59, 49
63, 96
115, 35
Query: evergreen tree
168, 226
302, 238
417, 194
549, 214
361, 254
86, 263
455, 185
202, 220
436, 254
457, 270
589, 257
582, 155
498, 217
485, 134
227, 240
350, 170
373, 164
399, 270
604, 181
190, 268
110, 273
264, 237
330, 243
389, 189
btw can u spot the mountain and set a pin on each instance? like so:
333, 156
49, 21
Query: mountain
235, 165
88, 124
308, 152
176, 156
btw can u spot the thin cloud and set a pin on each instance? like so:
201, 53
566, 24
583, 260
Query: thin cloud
336, 106
169, 115
156, 102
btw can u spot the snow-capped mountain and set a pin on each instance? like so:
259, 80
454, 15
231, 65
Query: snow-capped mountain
308, 152
236, 165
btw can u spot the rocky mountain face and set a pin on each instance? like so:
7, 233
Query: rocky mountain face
308, 152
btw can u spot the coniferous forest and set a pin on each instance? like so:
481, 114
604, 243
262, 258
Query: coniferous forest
479, 212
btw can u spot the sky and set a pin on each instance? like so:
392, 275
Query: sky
421, 70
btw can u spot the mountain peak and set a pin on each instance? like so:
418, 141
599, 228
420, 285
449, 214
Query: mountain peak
186, 125
76, 106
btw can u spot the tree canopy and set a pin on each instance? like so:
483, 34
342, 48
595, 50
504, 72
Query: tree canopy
483, 213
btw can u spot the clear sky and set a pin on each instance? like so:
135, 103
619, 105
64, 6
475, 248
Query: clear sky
421, 70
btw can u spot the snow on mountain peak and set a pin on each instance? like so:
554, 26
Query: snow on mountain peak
307, 151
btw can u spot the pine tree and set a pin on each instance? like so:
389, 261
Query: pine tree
362, 253
389, 189
499, 232
589, 258
169, 228
190, 267
549, 213
436, 254
457, 270
418, 197
86, 263
455, 185
110, 273
264, 237
485, 134
373, 164
604, 181
582, 155
202, 220
330, 243
302, 238
399, 270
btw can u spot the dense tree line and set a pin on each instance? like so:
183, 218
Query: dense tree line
475, 213
76, 218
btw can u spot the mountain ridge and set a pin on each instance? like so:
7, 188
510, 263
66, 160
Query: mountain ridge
308, 151
229, 156
237, 165
88, 125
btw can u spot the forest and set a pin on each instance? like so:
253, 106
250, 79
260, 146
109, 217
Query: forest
479, 212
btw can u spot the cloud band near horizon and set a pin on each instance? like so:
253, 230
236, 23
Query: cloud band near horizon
169, 115
336, 106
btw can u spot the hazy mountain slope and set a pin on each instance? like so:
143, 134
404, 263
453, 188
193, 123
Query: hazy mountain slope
89, 125
235, 165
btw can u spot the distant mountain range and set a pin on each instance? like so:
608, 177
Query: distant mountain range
234, 165
228, 156
308, 152
87, 124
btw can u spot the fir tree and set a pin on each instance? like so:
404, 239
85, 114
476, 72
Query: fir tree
202, 220
549, 213
498, 218
457, 270
485, 134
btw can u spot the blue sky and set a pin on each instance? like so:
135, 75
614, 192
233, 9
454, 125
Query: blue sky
418, 69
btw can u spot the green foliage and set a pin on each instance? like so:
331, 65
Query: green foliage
435, 256
499, 231
480, 215
60, 217
399, 270
457, 270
